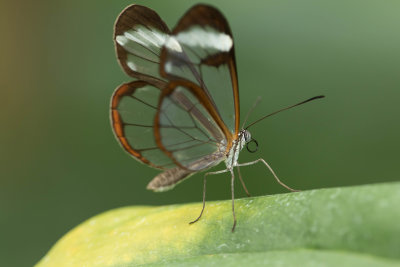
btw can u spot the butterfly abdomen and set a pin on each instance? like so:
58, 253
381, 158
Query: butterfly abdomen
168, 179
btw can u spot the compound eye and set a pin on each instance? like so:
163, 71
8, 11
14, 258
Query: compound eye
247, 136
252, 146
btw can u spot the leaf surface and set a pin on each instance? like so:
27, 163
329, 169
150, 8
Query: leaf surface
353, 226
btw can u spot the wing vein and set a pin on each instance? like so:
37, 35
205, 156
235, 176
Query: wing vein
140, 100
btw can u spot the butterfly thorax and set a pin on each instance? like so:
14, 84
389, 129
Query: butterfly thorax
231, 160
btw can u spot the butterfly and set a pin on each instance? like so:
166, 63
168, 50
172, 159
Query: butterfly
181, 114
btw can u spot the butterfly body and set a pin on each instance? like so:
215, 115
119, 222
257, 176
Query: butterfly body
233, 156
170, 178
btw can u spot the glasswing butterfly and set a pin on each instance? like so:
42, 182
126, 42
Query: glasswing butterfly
181, 114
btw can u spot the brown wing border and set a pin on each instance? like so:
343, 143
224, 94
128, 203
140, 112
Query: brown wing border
117, 123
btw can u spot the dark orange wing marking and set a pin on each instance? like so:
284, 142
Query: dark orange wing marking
127, 91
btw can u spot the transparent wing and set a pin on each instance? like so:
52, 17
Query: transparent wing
184, 111
188, 128
139, 35
200, 50
133, 109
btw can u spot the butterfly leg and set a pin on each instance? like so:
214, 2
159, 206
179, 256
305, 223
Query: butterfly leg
204, 192
271, 170
241, 180
233, 199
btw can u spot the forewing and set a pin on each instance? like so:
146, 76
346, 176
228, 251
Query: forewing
139, 35
133, 108
201, 50
188, 128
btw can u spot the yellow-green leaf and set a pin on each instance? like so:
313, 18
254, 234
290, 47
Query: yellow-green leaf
354, 226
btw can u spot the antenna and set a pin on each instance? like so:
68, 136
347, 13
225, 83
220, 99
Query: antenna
275, 112
251, 110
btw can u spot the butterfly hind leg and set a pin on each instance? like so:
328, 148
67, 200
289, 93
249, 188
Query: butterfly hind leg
204, 192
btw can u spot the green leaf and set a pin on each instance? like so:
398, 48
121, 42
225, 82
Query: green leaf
354, 226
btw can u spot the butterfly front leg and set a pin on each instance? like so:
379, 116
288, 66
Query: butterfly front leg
271, 170
243, 184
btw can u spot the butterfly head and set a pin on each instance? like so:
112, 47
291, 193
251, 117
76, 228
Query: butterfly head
246, 139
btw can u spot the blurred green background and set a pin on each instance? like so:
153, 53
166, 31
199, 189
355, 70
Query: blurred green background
60, 163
